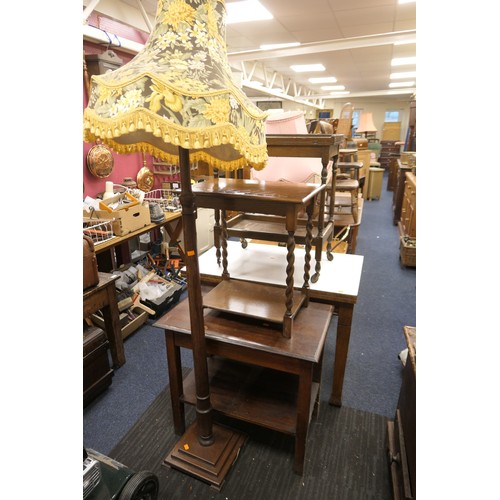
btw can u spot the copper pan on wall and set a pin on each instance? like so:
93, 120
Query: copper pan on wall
100, 161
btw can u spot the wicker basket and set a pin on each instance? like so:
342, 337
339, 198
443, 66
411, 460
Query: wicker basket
408, 252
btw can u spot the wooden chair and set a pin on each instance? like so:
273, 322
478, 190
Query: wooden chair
344, 125
346, 180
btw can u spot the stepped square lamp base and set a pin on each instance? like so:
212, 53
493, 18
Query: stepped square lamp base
207, 463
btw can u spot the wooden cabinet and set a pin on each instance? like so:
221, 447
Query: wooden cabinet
393, 174
401, 432
388, 150
97, 372
411, 141
397, 197
408, 220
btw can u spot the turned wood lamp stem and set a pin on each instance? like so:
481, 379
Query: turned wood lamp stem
203, 405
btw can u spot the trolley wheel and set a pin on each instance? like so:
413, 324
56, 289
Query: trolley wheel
329, 256
244, 243
315, 278
143, 485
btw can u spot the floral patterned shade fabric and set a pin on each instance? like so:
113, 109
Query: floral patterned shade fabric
179, 91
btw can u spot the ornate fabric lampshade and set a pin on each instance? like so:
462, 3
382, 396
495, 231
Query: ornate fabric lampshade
366, 123
176, 100
179, 91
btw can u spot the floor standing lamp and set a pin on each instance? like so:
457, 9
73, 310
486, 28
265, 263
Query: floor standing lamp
177, 101
366, 125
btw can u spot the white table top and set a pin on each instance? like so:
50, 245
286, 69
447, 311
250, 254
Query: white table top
339, 279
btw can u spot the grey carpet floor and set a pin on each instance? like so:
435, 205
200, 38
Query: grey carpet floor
345, 458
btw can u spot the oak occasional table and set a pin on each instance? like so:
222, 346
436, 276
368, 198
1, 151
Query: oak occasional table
103, 297
339, 287
264, 197
255, 374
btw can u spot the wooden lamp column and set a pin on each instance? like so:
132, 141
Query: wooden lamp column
206, 450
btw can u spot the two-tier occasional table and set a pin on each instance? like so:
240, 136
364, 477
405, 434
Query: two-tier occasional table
286, 199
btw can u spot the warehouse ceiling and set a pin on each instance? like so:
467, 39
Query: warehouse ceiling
355, 40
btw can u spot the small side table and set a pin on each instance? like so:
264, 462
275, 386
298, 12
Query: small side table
103, 297
256, 375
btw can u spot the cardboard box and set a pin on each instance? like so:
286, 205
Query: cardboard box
127, 218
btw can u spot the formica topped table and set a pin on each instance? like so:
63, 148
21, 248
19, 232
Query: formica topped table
339, 286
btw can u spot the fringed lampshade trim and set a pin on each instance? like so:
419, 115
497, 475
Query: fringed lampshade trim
108, 130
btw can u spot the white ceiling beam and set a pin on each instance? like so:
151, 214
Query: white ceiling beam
326, 46
389, 92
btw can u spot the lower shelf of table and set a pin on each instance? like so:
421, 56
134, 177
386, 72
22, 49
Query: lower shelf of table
260, 396
272, 228
254, 300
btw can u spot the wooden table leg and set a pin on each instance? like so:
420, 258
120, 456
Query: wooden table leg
354, 239
303, 405
174, 234
112, 326
175, 382
345, 312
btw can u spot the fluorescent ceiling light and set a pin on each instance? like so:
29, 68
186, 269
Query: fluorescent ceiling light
304, 68
323, 79
245, 11
401, 84
272, 46
333, 87
404, 74
405, 42
340, 93
402, 61
400, 91
406, 1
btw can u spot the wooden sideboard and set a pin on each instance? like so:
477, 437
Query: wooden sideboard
408, 220
401, 432
397, 198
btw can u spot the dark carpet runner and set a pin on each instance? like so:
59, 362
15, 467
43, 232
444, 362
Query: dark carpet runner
345, 458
